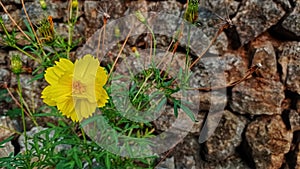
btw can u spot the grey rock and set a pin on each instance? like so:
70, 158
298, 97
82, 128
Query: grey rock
14, 1
257, 96
95, 11
294, 119
255, 17
186, 156
232, 162
210, 23
199, 122
57, 10
216, 72
33, 132
225, 139
30, 89
171, 7
6, 150
269, 141
4, 75
187, 162
292, 21
7, 126
168, 163
222, 8
289, 60
15, 14
165, 120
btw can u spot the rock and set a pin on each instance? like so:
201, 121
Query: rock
294, 119
4, 75
255, 17
165, 120
265, 55
7, 126
6, 150
56, 9
232, 162
200, 117
292, 21
94, 12
170, 7
225, 139
32, 136
5, 99
210, 23
297, 156
168, 163
222, 8
216, 72
298, 105
257, 96
15, 14
209, 72
289, 60
186, 155
269, 141
14, 1
30, 89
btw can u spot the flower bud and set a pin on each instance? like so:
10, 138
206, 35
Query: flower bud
1, 20
117, 32
16, 64
140, 16
74, 4
43, 4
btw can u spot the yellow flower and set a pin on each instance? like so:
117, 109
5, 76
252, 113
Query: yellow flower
76, 89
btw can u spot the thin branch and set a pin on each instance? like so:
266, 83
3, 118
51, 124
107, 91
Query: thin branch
119, 54
30, 23
12, 19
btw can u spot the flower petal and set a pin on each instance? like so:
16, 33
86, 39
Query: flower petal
84, 108
86, 68
47, 96
55, 73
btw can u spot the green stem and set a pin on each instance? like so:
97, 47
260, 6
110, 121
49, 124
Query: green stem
188, 49
83, 134
12, 44
71, 28
22, 111
153, 36
71, 24
26, 53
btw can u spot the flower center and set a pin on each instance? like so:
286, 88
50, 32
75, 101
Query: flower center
78, 87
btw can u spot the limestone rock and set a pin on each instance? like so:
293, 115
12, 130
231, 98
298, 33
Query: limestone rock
292, 21
225, 139
265, 55
257, 96
269, 141
255, 17
289, 60
294, 119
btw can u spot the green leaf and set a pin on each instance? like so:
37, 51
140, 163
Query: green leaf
161, 104
5, 141
188, 112
107, 161
176, 105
